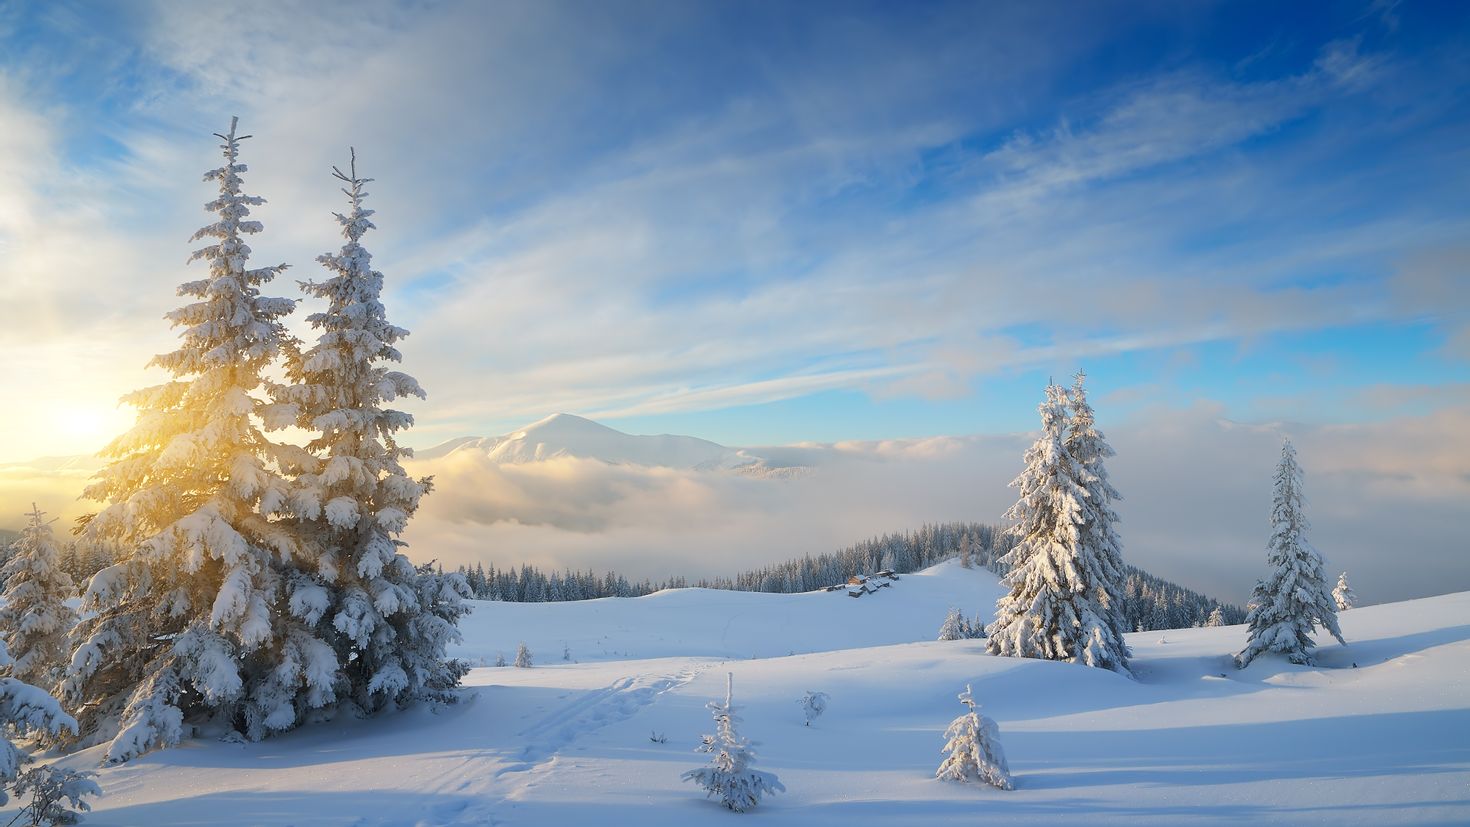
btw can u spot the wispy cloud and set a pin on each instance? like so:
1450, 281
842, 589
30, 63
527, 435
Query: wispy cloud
660, 208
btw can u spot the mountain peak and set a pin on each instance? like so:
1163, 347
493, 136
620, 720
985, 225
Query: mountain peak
564, 423
564, 435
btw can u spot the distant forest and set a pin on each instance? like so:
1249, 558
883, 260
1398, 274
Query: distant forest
1149, 602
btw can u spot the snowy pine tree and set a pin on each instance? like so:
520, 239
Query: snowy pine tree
28, 710
974, 749
1342, 594
1054, 608
1099, 552
1216, 618
187, 621
813, 704
35, 620
523, 656
387, 621
1287, 606
729, 775
955, 627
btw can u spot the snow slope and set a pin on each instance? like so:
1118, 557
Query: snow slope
1193, 741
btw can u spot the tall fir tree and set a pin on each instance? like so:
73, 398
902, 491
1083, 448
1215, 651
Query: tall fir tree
1286, 607
185, 623
1051, 608
1100, 552
388, 622
36, 620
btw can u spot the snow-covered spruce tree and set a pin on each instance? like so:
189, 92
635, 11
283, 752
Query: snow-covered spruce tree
1216, 618
523, 656
1052, 607
29, 710
813, 704
729, 775
1342, 594
955, 627
1289, 604
188, 623
35, 620
974, 750
1099, 552
388, 621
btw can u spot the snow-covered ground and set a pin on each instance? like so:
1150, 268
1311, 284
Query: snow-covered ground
1193, 741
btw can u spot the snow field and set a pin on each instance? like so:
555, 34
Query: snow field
569, 744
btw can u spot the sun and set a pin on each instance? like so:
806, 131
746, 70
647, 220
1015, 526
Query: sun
86, 428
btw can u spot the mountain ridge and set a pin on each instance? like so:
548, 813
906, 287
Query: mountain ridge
564, 435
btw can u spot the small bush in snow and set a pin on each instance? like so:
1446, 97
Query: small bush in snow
523, 656
56, 795
499, 659
658, 737
974, 749
729, 775
566, 653
813, 704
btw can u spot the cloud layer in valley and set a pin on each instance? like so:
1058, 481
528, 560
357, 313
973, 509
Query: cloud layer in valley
1196, 488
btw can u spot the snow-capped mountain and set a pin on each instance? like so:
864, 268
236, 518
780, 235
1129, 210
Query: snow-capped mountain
567, 435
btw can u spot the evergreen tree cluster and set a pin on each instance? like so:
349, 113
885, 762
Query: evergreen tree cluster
237, 580
903, 552
78, 558
1151, 603
528, 584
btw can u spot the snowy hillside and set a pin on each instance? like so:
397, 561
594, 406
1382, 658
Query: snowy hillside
1193, 741
729, 624
566, 435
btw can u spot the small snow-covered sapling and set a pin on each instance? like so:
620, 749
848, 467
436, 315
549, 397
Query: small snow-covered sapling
729, 775
523, 656
813, 704
56, 795
974, 749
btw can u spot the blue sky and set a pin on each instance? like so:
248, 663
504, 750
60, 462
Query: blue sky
769, 222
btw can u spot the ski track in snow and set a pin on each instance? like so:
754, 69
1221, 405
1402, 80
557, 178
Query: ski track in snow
482, 778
